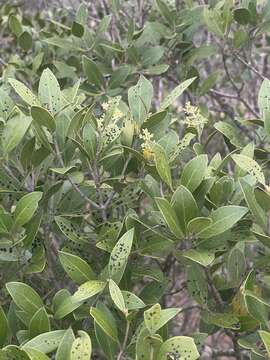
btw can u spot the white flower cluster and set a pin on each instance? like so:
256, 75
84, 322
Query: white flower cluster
147, 144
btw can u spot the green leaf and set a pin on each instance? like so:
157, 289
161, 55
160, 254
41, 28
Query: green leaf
265, 336
147, 345
91, 70
4, 328
49, 92
140, 98
42, 117
155, 318
24, 297
119, 76
256, 307
88, 289
76, 268
152, 318
15, 25
82, 347
71, 231
35, 354
26, 207
162, 164
267, 123
182, 346
64, 348
132, 301
236, 265
251, 201
24, 92
6, 105
194, 172
108, 346
64, 304
77, 29
104, 323
12, 352
25, 41
184, 206
120, 254
264, 97
39, 323
230, 132
242, 16
46, 342
250, 166
214, 22
165, 11
223, 219
64, 170
175, 93
169, 216
14, 131
225, 320
90, 140
200, 256
117, 296
152, 55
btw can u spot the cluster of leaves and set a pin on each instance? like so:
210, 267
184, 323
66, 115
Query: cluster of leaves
108, 194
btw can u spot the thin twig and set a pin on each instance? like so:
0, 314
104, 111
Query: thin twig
123, 347
248, 65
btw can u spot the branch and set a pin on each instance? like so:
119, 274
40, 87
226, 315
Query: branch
249, 66
236, 97
73, 184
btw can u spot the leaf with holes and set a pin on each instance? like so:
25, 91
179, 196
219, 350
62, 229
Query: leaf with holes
139, 99
264, 97
117, 297
49, 92
175, 93
82, 347
181, 346
25, 93
250, 166
70, 230
132, 301
162, 164
88, 289
46, 342
119, 255
64, 348
6, 105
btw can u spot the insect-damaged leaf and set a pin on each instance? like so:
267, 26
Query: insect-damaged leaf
119, 255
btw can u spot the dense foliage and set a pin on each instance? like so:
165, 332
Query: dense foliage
134, 216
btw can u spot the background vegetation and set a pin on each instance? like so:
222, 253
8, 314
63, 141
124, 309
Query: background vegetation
134, 218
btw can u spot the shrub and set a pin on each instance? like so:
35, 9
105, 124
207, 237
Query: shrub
116, 202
